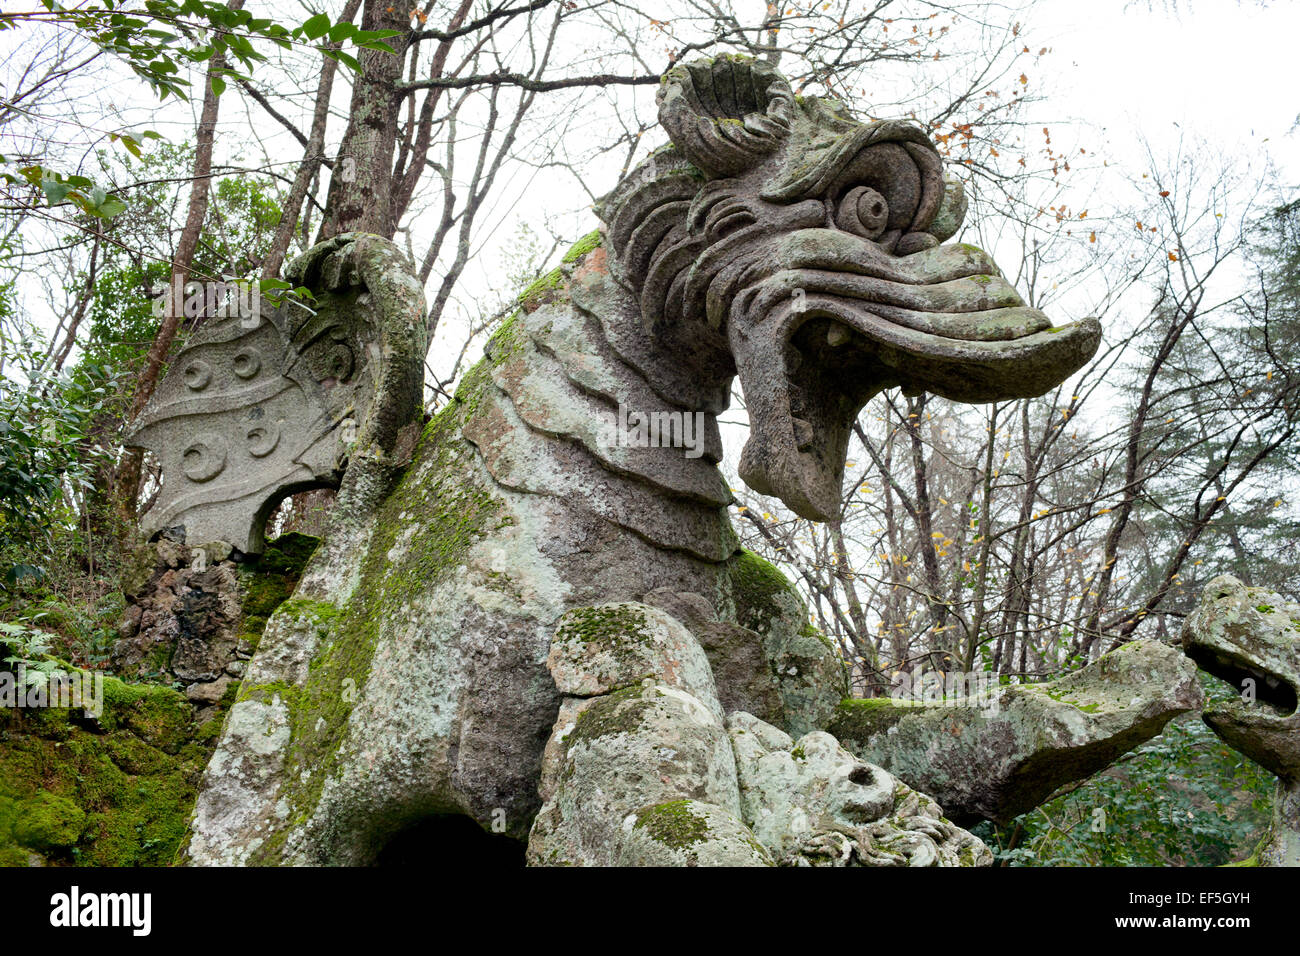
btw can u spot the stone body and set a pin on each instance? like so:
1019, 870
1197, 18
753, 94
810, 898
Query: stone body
998, 756
426, 664
1250, 637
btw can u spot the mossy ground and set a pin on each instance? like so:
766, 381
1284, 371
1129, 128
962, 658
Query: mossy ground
116, 791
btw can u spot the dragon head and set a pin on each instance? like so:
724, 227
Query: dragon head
785, 241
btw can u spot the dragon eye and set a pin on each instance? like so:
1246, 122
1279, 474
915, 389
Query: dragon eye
863, 212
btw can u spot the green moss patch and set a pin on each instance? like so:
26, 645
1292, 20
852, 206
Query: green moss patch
859, 719
603, 624
672, 824
757, 583
113, 792
619, 712
268, 581
583, 246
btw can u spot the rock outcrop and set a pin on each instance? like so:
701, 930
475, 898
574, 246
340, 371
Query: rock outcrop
194, 616
812, 803
1250, 637
1003, 754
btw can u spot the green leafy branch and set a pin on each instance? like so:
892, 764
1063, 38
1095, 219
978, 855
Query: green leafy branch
156, 37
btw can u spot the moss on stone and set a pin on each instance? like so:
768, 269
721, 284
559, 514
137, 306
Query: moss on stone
550, 287
672, 824
422, 532
756, 584
859, 719
619, 712
158, 715
611, 624
47, 821
507, 341
809, 631
583, 246
544, 290
288, 554
266, 582
116, 791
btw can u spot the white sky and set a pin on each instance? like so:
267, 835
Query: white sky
1220, 69
1211, 70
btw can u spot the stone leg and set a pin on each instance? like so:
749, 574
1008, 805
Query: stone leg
639, 770
642, 770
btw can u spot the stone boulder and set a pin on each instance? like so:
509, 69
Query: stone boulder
995, 757
1250, 637
194, 616
641, 769
812, 803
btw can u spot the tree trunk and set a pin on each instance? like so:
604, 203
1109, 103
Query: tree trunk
313, 155
360, 197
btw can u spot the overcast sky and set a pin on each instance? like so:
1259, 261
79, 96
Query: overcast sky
1215, 67
1211, 70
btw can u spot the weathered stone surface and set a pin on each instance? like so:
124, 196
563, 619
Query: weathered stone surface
605, 648
812, 803
744, 675
1250, 637
644, 772
1000, 756
262, 405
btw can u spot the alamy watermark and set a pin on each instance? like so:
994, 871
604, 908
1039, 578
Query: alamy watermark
221, 298
31, 689
133, 911
972, 689
655, 429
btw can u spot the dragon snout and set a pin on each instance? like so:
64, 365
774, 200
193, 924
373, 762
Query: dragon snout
832, 319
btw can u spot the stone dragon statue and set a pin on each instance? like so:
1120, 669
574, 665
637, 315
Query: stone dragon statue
517, 617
